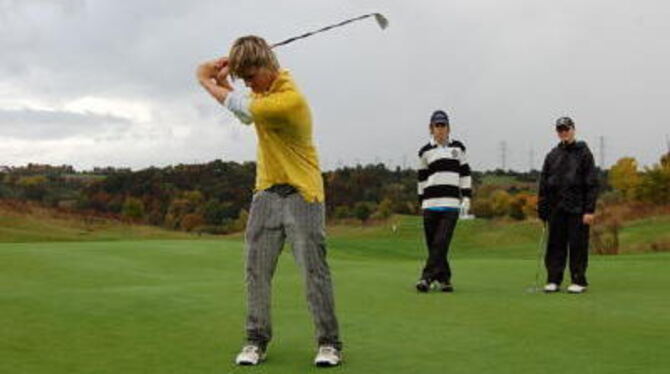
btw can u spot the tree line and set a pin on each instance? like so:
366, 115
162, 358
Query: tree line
214, 197
211, 197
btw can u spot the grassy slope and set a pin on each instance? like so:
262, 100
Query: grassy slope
479, 238
177, 307
40, 226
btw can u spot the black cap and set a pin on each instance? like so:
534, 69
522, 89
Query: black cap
439, 116
565, 122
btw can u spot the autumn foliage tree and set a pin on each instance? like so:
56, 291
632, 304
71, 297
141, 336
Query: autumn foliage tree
133, 208
654, 185
624, 177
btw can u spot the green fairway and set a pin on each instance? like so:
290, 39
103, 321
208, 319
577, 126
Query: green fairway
177, 306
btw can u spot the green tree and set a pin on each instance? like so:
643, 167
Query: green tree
34, 187
194, 197
133, 208
385, 209
240, 224
654, 186
342, 212
214, 211
363, 210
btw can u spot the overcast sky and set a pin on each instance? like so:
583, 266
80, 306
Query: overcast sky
102, 82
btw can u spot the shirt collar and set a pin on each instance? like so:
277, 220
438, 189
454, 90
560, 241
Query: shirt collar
283, 78
435, 143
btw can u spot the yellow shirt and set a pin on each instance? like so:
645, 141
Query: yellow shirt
286, 152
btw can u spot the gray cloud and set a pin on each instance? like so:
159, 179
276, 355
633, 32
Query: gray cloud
43, 125
504, 71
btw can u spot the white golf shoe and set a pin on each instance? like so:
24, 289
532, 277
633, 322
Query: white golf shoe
328, 356
551, 287
250, 355
576, 288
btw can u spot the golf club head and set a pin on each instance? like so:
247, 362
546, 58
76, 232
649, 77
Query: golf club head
534, 289
381, 20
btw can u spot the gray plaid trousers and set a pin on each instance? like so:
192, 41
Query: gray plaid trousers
272, 220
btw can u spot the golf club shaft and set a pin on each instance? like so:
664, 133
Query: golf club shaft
380, 20
541, 251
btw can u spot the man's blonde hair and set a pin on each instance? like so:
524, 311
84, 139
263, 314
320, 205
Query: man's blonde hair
251, 52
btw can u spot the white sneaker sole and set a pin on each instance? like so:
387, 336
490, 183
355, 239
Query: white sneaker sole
248, 362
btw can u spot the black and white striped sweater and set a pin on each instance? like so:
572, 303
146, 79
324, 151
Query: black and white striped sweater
444, 175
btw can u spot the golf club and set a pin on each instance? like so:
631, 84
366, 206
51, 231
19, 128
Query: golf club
381, 21
537, 286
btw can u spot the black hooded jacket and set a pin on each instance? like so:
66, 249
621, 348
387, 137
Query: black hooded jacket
569, 181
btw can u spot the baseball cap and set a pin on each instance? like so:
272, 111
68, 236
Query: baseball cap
439, 116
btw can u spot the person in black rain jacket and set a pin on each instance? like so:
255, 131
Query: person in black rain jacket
566, 204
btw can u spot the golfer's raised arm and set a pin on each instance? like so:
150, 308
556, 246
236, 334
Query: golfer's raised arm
206, 74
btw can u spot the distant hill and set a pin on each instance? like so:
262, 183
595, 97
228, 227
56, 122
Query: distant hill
27, 222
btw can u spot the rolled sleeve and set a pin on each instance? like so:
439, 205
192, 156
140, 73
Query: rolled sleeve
239, 103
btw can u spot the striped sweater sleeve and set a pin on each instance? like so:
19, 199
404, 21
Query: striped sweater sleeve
422, 176
465, 176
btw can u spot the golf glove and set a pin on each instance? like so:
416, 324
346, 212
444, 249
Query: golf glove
465, 205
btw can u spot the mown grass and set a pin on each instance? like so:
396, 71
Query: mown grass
177, 306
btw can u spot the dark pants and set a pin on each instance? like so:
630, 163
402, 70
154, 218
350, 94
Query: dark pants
567, 234
438, 228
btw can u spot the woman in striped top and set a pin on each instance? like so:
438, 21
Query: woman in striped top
444, 191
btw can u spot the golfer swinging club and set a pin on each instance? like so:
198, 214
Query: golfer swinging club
288, 202
566, 203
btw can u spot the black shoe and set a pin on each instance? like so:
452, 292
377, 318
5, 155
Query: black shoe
423, 285
445, 287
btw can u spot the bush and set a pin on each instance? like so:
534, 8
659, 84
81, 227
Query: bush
605, 232
530, 209
343, 212
240, 224
660, 246
133, 208
363, 210
500, 203
654, 187
516, 207
481, 207
385, 209
191, 221
215, 212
